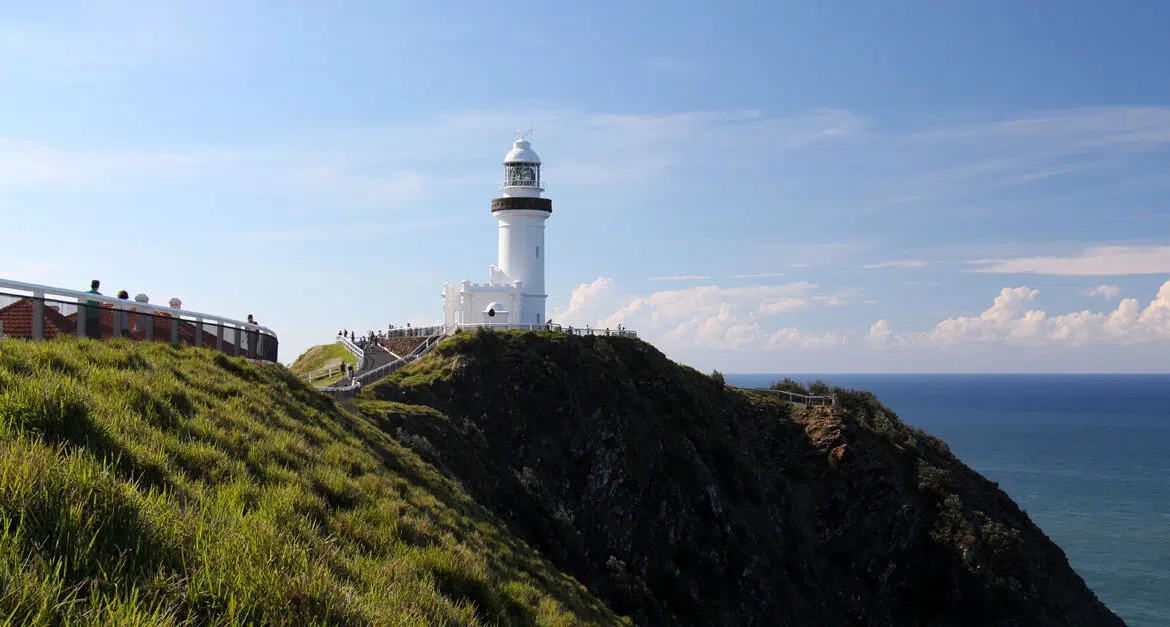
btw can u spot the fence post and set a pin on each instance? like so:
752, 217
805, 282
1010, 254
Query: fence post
237, 351
82, 314
199, 332
175, 329
38, 321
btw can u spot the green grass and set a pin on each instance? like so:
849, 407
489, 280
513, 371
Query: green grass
152, 484
322, 356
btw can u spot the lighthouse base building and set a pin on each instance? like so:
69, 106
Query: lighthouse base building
514, 295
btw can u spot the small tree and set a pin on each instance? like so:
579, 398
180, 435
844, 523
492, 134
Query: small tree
717, 377
788, 384
819, 388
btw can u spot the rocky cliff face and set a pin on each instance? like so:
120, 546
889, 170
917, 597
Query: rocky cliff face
681, 501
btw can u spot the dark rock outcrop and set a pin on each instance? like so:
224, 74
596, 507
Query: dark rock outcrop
683, 502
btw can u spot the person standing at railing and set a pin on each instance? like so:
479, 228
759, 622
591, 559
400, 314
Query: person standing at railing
142, 320
93, 312
123, 315
252, 336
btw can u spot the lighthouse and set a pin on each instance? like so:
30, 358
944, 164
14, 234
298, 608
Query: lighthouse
514, 295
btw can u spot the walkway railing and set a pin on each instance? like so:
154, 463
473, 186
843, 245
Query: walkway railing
323, 373
435, 329
354, 349
802, 399
439, 329
39, 312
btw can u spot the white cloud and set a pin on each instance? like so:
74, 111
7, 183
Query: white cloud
588, 303
1009, 320
706, 321
728, 328
782, 305
903, 263
791, 337
1108, 292
971, 160
880, 335
681, 277
1095, 261
837, 299
708, 316
798, 265
1072, 129
399, 164
760, 275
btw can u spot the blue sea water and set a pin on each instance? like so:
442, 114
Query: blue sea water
1086, 456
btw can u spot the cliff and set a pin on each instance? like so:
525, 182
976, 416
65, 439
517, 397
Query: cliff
145, 484
681, 501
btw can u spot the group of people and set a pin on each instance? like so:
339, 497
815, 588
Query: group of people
93, 311
371, 338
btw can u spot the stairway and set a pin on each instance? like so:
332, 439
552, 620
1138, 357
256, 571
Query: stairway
376, 358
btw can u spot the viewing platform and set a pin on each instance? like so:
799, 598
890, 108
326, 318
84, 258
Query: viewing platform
40, 312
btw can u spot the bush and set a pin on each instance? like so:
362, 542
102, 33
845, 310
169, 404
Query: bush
934, 480
819, 388
717, 377
787, 384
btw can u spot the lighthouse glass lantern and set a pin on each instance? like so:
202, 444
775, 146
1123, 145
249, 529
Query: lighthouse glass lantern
522, 171
522, 175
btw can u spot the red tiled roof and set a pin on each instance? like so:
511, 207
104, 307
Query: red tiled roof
18, 318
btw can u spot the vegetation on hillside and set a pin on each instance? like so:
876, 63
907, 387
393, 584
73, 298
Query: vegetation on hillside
151, 484
322, 356
680, 500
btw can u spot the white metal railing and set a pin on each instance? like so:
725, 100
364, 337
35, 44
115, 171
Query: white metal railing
47, 297
558, 328
440, 329
322, 373
803, 399
354, 349
434, 329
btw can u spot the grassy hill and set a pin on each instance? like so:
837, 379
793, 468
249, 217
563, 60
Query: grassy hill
323, 356
149, 484
680, 501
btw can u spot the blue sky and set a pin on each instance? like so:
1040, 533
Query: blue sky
755, 186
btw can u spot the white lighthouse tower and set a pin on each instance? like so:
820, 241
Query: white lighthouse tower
514, 295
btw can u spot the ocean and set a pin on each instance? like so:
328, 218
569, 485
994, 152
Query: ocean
1086, 456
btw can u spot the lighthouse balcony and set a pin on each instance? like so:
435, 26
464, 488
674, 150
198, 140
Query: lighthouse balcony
521, 203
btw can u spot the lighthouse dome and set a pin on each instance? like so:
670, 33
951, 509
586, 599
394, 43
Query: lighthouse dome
521, 152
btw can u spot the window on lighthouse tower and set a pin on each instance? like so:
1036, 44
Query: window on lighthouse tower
522, 175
